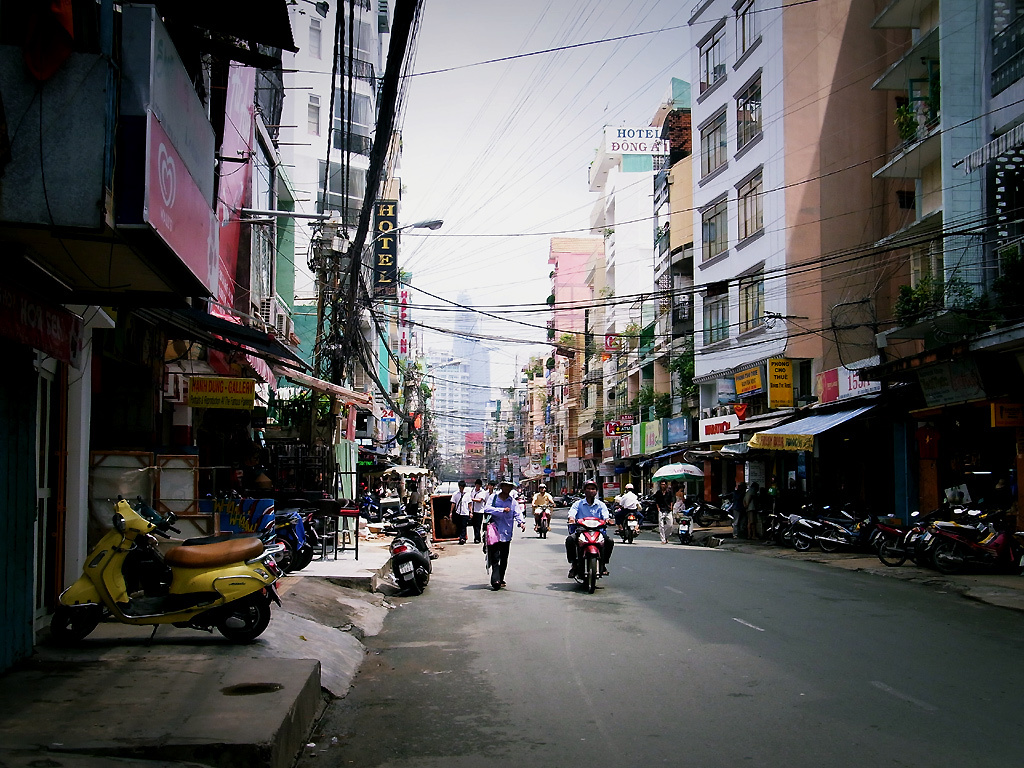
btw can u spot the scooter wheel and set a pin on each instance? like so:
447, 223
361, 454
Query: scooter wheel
286, 559
591, 576
72, 624
245, 620
303, 557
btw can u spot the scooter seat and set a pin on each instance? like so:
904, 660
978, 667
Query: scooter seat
212, 555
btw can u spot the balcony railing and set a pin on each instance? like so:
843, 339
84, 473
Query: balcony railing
1007, 61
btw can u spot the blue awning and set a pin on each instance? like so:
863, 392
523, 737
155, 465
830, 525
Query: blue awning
799, 435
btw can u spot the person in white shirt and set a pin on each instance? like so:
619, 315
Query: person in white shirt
461, 510
478, 501
627, 502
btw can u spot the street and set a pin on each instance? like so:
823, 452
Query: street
684, 656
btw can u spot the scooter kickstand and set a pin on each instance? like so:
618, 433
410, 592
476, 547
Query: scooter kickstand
152, 634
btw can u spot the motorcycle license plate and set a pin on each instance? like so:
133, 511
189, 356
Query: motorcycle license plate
405, 567
633, 524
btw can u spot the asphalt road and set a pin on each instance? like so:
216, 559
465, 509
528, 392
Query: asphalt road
684, 656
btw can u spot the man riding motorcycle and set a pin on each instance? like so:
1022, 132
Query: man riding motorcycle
588, 506
626, 503
541, 499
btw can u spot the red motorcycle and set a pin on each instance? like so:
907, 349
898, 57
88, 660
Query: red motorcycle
589, 537
955, 551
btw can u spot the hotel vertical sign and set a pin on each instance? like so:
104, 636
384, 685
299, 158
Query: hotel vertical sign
385, 248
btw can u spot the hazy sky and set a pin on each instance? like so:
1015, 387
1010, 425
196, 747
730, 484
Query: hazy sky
501, 151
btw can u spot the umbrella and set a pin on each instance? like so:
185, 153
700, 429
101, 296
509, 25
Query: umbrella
678, 472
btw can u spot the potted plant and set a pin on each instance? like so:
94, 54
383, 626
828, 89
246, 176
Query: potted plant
906, 122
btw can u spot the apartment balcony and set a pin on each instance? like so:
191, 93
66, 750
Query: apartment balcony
900, 14
915, 65
1008, 56
913, 156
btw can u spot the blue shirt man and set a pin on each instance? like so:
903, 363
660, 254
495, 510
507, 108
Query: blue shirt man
588, 506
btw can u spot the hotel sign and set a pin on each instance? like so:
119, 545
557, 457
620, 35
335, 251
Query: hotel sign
385, 248
634, 141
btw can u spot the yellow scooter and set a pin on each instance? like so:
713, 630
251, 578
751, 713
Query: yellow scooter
227, 584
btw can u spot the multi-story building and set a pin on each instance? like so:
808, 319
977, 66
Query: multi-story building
786, 214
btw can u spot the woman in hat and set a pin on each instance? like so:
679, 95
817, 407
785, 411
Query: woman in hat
504, 514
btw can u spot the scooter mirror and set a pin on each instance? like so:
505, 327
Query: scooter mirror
119, 524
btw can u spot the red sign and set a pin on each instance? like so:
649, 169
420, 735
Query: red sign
176, 208
46, 327
612, 342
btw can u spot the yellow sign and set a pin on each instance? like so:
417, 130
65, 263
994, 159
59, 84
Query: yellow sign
748, 381
780, 383
218, 392
1007, 415
772, 442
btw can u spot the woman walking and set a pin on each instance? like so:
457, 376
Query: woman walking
504, 514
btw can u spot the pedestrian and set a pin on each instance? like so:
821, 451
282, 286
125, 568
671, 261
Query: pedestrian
460, 512
588, 506
679, 508
504, 514
478, 501
736, 510
663, 501
751, 507
491, 491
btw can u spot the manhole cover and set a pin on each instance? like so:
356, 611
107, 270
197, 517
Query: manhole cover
251, 689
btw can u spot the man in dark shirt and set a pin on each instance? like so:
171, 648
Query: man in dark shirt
663, 498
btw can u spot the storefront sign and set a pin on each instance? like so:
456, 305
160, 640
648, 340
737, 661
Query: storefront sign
749, 382
619, 427
713, 430
1007, 415
176, 208
385, 248
843, 383
773, 442
654, 439
780, 383
677, 430
47, 327
612, 342
611, 488
953, 382
217, 392
636, 447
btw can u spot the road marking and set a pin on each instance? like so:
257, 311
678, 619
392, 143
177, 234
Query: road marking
747, 624
904, 697
673, 589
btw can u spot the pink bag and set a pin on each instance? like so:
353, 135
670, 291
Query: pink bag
492, 534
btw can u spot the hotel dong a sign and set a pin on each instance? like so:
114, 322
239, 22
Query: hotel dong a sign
634, 141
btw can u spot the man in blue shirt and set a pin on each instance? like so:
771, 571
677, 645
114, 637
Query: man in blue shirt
588, 506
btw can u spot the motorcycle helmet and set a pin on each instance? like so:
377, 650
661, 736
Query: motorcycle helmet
629, 486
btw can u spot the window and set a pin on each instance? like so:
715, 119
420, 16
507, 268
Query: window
751, 301
747, 28
716, 313
314, 38
358, 133
906, 199
712, 59
748, 114
713, 145
336, 192
313, 116
750, 194
714, 230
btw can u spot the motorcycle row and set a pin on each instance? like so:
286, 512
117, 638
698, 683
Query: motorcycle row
951, 539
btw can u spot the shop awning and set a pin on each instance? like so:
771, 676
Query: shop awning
799, 435
661, 455
406, 470
343, 393
757, 425
191, 323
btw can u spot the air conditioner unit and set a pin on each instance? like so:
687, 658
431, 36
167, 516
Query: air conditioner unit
267, 307
283, 324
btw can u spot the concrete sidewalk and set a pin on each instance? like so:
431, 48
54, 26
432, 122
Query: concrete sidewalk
187, 697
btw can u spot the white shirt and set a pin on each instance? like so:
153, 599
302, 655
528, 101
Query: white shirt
461, 500
628, 500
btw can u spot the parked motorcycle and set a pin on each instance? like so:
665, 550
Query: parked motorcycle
1001, 550
846, 529
684, 528
706, 515
543, 521
589, 534
410, 554
227, 584
568, 499
807, 526
290, 523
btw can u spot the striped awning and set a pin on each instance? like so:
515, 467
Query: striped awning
799, 435
980, 157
